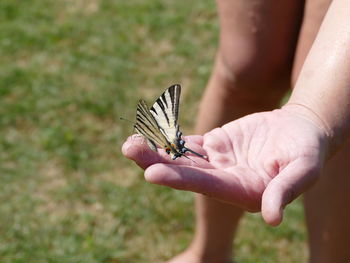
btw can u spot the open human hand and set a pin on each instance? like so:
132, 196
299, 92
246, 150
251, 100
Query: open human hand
260, 162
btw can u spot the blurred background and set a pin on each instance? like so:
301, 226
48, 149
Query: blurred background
69, 70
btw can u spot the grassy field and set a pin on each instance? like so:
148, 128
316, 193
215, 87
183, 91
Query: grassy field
69, 70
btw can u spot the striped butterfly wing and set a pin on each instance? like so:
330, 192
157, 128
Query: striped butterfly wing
166, 110
147, 126
159, 124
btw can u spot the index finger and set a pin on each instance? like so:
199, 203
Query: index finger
136, 149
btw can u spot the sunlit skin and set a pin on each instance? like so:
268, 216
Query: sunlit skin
263, 161
246, 162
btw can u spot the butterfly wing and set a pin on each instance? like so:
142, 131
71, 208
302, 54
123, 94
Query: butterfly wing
166, 110
147, 126
159, 124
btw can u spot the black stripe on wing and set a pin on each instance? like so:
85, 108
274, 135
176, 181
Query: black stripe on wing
164, 99
159, 101
147, 125
175, 92
166, 109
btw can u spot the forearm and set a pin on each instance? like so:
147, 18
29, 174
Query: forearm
323, 85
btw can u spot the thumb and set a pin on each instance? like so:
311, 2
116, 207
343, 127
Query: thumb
292, 181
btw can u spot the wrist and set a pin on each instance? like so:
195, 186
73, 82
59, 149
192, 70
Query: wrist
307, 113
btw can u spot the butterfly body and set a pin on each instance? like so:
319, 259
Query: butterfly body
159, 123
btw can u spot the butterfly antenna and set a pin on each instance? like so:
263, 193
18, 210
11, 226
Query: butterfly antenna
123, 119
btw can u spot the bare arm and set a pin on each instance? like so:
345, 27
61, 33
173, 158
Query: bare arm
322, 92
263, 161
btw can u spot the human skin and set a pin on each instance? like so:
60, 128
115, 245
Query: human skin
260, 162
324, 118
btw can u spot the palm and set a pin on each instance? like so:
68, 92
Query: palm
260, 161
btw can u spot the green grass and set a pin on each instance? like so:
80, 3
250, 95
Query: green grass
69, 70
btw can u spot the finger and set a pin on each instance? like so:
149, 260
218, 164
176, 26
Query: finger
211, 182
292, 181
194, 143
219, 147
136, 149
196, 139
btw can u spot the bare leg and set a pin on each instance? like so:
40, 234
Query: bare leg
327, 203
251, 74
328, 213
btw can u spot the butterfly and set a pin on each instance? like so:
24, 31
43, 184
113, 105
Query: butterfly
159, 124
